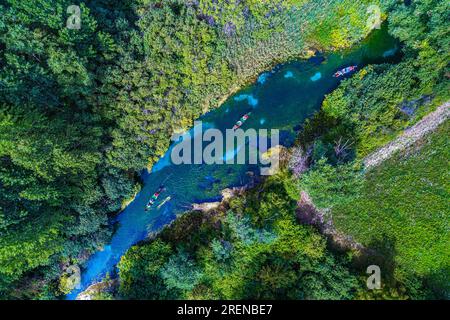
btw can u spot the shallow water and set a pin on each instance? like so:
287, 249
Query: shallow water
276, 101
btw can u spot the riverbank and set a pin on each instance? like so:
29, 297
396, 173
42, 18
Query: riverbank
205, 247
410, 136
114, 92
248, 54
227, 253
276, 106
256, 221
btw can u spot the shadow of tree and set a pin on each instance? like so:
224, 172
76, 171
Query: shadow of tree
382, 252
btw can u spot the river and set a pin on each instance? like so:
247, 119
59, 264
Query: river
281, 98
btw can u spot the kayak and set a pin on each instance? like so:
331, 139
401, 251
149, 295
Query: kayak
344, 71
154, 197
241, 121
164, 202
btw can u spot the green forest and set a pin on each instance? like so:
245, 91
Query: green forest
84, 111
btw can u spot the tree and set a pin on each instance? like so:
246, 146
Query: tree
140, 272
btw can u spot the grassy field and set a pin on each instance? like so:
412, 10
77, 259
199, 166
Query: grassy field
403, 211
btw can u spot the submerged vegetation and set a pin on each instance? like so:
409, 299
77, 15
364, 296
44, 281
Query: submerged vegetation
82, 112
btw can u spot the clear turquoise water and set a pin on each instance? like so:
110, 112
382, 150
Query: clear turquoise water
280, 99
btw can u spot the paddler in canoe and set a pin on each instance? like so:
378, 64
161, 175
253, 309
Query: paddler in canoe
344, 71
154, 197
241, 121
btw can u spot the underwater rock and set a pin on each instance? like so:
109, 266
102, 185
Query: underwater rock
288, 75
227, 194
93, 291
251, 100
205, 207
316, 76
263, 78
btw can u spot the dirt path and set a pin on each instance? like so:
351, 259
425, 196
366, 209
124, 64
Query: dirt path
410, 136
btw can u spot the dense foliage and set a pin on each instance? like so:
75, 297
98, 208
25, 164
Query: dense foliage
55, 188
399, 209
253, 248
82, 111
369, 109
